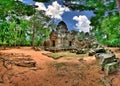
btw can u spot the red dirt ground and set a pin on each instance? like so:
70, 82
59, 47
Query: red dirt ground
61, 72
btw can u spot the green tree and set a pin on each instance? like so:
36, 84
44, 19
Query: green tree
39, 31
11, 24
4, 35
109, 33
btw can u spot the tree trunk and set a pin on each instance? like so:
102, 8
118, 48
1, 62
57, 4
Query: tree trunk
118, 3
33, 38
4, 47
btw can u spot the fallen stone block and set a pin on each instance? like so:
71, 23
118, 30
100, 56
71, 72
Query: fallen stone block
7, 64
81, 51
37, 48
26, 63
91, 53
105, 57
100, 50
110, 67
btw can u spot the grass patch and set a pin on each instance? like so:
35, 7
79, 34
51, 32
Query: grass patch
100, 72
60, 64
106, 77
58, 55
101, 82
55, 55
75, 65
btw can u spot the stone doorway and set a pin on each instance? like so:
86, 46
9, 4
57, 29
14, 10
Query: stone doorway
70, 43
53, 43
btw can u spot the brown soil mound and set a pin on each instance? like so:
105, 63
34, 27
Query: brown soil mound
49, 72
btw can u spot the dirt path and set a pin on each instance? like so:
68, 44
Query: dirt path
50, 72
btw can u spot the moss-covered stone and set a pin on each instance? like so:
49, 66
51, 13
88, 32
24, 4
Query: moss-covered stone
110, 67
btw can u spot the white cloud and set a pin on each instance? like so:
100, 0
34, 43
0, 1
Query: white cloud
40, 5
54, 11
83, 24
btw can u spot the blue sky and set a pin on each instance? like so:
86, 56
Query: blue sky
29, 2
67, 17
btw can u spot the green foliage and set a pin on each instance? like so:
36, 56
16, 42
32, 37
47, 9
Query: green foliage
60, 64
4, 35
14, 7
101, 82
106, 22
109, 31
15, 30
58, 55
81, 35
40, 33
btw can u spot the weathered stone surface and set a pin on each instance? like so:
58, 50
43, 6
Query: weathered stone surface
37, 48
81, 51
100, 50
61, 38
26, 63
105, 57
108, 61
94, 44
111, 67
17, 59
7, 64
91, 52
73, 51
97, 49
109, 51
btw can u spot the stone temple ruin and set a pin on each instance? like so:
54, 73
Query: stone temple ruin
62, 39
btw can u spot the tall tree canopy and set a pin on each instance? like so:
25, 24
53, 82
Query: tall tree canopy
21, 24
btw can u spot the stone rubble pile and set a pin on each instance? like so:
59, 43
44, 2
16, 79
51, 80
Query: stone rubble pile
108, 62
18, 60
106, 58
81, 51
8, 61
